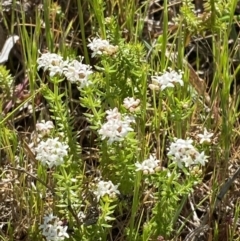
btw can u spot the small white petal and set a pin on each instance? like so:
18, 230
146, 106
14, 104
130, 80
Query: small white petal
106, 188
168, 79
205, 137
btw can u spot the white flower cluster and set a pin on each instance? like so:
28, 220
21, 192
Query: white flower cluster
52, 62
148, 166
44, 127
131, 104
101, 46
75, 71
106, 188
167, 80
51, 152
183, 152
52, 228
116, 127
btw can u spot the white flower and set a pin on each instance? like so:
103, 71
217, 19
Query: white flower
167, 79
44, 127
205, 137
77, 72
113, 114
62, 232
101, 46
52, 62
131, 104
114, 130
52, 228
128, 119
183, 152
49, 218
106, 188
116, 127
201, 159
51, 152
148, 165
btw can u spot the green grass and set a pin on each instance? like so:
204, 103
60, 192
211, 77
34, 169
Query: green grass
172, 203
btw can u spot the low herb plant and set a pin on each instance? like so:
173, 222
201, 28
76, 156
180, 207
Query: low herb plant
122, 99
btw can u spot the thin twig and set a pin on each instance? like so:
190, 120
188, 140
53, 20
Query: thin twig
204, 226
31, 175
